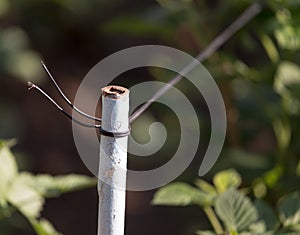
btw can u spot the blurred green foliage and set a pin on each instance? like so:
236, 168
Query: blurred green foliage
16, 56
257, 71
26, 193
223, 202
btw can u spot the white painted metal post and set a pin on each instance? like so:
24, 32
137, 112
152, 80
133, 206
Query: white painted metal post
113, 161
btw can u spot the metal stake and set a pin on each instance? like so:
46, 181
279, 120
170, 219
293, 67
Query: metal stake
113, 161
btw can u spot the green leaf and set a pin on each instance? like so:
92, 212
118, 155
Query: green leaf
25, 64
227, 179
235, 210
17, 58
288, 37
287, 84
259, 188
272, 176
181, 194
257, 228
206, 187
8, 170
266, 215
52, 186
283, 132
28, 201
233, 233
287, 76
13, 39
289, 210
8, 143
43, 227
270, 48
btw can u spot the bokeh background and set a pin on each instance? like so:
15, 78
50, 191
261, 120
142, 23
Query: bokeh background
257, 71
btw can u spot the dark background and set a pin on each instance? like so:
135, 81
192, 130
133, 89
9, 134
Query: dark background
71, 36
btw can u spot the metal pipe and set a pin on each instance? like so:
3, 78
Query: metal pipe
113, 161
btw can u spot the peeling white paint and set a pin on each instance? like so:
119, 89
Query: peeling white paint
113, 161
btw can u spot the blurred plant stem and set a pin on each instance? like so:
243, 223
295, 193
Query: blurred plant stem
213, 219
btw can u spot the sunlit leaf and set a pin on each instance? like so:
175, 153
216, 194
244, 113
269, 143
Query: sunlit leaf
287, 84
8, 170
227, 179
181, 194
28, 201
52, 186
205, 187
288, 37
287, 76
257, 228
235, 210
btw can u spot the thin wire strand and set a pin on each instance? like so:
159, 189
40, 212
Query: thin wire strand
33, 86
65, 97
244, 18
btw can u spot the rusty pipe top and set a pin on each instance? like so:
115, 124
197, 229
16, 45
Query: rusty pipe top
115, 92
